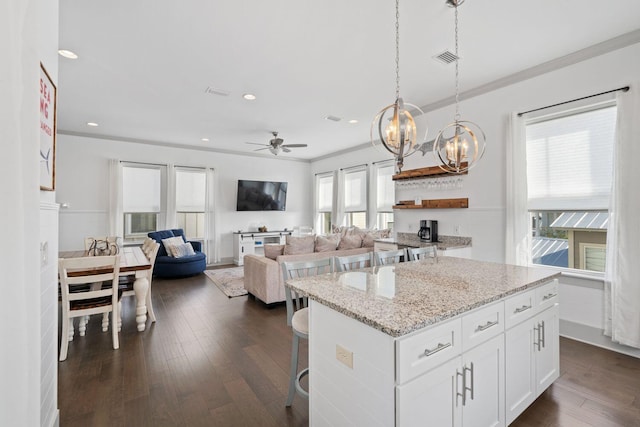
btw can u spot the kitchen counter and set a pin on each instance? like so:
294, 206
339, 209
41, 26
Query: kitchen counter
411, 240
405, 297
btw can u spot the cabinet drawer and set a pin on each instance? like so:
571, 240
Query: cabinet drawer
419, 353
519, 307
482, 324
547, 295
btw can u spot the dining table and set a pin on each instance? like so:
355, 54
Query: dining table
133, 262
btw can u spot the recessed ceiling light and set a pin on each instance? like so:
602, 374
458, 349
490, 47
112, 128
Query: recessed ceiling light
205, 140
249, 96
92, 124
353, 121
67, 54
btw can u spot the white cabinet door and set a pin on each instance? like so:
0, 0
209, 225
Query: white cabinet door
520, 371
430, 400
548, 351
532, 360
483, 370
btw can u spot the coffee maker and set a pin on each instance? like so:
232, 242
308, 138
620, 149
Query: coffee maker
428, 230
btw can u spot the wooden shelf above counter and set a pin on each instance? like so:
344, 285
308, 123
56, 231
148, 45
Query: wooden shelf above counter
428, 172
460, 203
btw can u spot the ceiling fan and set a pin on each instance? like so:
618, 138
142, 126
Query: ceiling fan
276, 145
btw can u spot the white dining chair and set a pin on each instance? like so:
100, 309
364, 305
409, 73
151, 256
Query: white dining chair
298, 316
353, 262
423, 253
81, 298
390, 257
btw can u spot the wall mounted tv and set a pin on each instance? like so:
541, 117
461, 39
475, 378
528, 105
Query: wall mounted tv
261, 195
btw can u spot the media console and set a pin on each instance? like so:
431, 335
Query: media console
252, 243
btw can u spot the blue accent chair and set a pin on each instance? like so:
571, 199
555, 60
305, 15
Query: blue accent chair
168, 266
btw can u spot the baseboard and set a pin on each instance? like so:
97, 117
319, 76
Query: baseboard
594, 336
223, 261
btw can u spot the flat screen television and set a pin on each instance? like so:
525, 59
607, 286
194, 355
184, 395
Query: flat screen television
261, 195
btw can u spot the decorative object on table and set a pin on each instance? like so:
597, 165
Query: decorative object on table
276, 145
48, 93
102, 246
262, 229
461, 141
398, 133
229, 280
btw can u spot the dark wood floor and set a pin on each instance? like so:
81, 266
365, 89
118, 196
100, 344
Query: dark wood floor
215, 361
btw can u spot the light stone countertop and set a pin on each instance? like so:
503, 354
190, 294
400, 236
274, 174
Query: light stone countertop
413, 241
401, 298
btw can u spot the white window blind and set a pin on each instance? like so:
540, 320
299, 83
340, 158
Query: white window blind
190, 190
569, 161
141, 188
325, 193
385, 198
355, 190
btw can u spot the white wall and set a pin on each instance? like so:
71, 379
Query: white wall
28, 389
485, 185
83, 178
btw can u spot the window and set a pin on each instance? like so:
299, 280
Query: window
569, 170
191, 186
142, 200
355, 197
324, 202
385, 195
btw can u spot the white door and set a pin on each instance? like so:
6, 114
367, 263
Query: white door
520, 371
430, 400
484, 376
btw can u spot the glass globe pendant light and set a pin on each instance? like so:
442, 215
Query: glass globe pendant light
460, 144
393, 127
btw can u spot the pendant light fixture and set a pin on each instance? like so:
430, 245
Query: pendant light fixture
394, 127
460, 144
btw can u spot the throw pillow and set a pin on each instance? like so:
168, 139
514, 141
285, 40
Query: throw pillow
170, 243
273, 251
182, 250
299, 245
350, 241
327, 243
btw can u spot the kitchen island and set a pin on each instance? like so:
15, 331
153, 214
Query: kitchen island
452, 342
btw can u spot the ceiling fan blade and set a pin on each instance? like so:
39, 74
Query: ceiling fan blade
254, 143
264, 148
285, 149
294, 145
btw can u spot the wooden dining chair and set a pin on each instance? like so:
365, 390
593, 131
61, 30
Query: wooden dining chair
81, 298
298, 316
390, 257
423, 253
353, 262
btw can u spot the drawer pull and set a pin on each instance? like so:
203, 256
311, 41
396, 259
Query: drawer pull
440, 347
521, 309
486, 326
548, 296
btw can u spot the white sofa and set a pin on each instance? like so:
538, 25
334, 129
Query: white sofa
263, 276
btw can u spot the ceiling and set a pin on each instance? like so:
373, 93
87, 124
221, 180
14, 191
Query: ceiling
144, 66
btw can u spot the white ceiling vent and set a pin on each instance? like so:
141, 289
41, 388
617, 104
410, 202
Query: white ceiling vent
446, 57
213, 91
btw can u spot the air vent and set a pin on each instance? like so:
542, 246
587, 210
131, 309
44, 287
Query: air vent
213, 91
446, 57
333, 118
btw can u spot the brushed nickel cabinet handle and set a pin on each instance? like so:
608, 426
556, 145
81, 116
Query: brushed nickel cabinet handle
521, 309
548, 296
439, 348
464, 386
486, 326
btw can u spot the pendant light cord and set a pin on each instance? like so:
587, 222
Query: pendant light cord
457, 116
397, 49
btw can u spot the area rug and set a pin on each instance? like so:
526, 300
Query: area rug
229, 280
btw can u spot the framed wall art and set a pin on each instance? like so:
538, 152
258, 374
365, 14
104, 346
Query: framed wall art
48, 93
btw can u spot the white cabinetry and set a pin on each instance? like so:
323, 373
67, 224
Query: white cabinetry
464, 391
532, 347
253, 243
